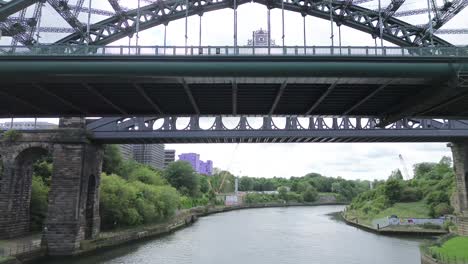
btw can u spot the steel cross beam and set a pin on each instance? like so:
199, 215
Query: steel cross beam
446, 13
65, 11
296, 129
322, 97
278, 97
363, 100
163, 12
103, 98
17, 99
391, 9
15, 6
150, 101
189, 95
60, 99
234, 97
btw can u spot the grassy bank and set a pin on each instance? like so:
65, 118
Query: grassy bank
453, 249
413, 209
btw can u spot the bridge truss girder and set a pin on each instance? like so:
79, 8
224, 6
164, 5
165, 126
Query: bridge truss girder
293, 129
163, 12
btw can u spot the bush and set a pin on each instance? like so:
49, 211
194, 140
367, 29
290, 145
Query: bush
410, 194
295, 197
39, 193
448, 224
441, 210
11, 135
310, 195
129, 203
146, 175
260, 198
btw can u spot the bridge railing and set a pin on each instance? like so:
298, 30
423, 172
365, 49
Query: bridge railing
84, 50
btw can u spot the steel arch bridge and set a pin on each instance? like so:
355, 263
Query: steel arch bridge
124, 23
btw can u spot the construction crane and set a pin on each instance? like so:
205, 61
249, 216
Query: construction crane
406, 175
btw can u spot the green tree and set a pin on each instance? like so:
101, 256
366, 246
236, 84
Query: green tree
204, 185
392, 190
246, 184
181, 175
146, 174
283, 193
310, 194
112, 159
38, 209
396, 174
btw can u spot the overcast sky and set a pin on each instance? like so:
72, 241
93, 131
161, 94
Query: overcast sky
351, 161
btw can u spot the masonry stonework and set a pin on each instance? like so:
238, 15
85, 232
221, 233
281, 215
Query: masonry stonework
460, 161
73, 212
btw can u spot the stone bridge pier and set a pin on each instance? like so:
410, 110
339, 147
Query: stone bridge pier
73, 203
460, 161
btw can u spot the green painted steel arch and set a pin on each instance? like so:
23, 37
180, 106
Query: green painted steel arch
163, 12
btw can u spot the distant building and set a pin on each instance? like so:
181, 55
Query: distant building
198, 165
27, 125
126, 150
169, 156
150, 154
260, 38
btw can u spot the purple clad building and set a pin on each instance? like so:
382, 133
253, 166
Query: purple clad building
198, 165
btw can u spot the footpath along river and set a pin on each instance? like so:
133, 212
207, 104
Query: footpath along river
292, 235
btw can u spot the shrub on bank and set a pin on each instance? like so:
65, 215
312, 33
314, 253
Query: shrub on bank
129, 203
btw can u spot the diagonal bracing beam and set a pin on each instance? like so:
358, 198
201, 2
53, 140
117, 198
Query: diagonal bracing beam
105, 99
391, 9
14, 6
64, 10
60, 99
369, 96
189, 95
17, 99
278, 97
148, 99
322, 97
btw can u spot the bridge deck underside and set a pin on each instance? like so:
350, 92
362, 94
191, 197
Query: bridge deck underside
210, 97
119, 88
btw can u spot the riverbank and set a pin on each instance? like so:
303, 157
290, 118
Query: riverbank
393, 230
123, 236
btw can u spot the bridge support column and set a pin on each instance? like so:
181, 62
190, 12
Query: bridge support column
460, 160
73, 212
16, 172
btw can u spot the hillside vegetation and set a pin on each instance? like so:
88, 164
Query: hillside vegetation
426, 195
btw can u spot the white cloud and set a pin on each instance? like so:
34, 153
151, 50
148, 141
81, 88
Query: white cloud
348, 160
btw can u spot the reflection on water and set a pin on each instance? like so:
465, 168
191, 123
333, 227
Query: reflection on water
300, 235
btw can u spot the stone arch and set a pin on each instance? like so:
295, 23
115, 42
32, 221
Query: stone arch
17, 165
90, 210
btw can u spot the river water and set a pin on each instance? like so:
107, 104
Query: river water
296, 235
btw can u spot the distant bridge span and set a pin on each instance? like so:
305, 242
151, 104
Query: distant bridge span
293, 129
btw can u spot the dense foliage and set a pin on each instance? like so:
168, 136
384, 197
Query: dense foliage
433, 183
304, 188
132, 202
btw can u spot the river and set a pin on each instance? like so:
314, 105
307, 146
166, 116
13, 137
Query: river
296, 235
